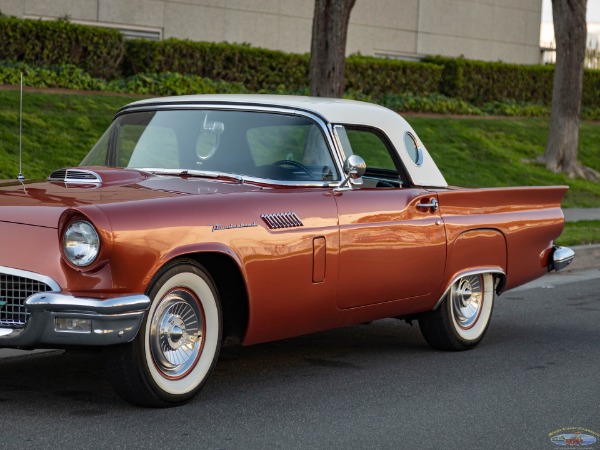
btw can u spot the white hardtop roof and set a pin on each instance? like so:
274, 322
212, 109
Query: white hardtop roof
335, 111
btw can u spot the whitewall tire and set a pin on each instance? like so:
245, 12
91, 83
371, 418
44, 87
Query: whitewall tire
463, 317
179, 341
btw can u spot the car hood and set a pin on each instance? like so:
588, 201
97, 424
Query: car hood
42, 203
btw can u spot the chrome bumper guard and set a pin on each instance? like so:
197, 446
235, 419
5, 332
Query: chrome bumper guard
60, 320
560, 258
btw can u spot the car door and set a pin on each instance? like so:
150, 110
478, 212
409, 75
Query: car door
392, 237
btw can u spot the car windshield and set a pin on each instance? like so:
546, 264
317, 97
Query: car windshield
248, 144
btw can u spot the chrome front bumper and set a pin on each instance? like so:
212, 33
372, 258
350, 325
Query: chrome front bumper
560, 258
100, 322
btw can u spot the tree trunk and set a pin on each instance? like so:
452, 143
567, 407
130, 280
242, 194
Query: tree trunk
328, 48
570, 33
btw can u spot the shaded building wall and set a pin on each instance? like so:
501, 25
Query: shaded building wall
492, 30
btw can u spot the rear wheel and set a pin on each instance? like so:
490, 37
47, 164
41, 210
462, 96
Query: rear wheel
464, 315
178, 343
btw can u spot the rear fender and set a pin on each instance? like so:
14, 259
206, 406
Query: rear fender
476, 252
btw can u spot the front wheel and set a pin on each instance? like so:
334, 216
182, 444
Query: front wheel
464, 315
178, 343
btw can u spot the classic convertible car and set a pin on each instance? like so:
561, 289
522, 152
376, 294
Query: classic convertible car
263, 217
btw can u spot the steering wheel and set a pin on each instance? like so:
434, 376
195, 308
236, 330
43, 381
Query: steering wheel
296, 164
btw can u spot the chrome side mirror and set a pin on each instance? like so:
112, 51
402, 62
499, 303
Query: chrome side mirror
354, 168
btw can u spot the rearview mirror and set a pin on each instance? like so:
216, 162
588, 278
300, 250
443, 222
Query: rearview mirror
209, 138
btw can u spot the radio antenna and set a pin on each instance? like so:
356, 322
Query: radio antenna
20, 177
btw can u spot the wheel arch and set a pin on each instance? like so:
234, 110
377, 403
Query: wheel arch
497, 272
476, 251
231, 287
227, 273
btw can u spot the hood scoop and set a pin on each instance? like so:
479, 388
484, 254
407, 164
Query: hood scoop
75, 176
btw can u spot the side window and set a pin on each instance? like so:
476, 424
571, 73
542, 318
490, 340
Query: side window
293, 152
371, 148
370, 145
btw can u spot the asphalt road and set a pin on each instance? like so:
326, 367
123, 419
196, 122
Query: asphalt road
367, 386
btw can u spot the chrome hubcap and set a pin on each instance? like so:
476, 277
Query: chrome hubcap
466, 297
176, 333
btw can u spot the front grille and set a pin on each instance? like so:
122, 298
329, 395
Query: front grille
14, 290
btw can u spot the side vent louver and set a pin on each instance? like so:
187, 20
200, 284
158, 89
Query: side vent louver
282, 220
75, 176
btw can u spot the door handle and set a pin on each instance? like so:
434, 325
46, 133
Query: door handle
433, 204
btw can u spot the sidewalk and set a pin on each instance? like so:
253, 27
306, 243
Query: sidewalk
577, 214
586, 256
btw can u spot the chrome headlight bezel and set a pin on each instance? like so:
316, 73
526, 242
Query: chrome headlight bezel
80, 243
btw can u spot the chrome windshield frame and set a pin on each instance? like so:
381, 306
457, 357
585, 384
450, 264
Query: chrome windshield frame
326, 129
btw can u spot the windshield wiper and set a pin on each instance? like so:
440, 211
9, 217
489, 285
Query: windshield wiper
197, 174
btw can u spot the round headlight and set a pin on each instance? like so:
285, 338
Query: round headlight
81, 243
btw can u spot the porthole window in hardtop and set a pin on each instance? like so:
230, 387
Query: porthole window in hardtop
413, 148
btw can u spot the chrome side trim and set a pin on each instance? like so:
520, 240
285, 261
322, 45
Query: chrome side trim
34, 276
561, 258
492, 270
238, 178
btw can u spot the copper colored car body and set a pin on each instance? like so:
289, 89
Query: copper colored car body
199, 217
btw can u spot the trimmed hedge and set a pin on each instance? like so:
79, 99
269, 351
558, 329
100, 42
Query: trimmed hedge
68, 76
269, 70
591, 89
480, 82
65, 76
98, 51
104, 55
376, 76
169, 83
256, 68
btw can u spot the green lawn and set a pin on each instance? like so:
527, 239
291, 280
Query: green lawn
477, 152
59, 129
579, 233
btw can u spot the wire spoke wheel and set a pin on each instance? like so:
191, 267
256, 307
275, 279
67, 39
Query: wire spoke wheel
178, 343
463, 317
176, 333
466, 297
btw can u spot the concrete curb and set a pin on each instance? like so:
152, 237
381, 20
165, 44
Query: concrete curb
577, 214
586, 257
